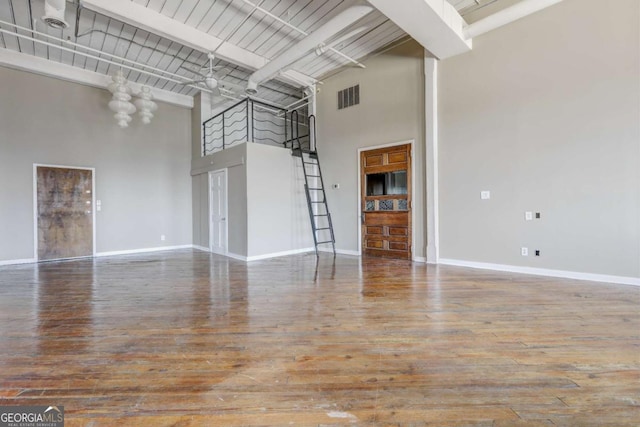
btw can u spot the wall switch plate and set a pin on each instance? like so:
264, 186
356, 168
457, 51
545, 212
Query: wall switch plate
524, 251
162, 237
485, 195
528, 216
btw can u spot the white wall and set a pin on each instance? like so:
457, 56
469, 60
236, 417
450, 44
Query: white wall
267, 211
545, 113
234, 160
391, 110
278, 217
142, 172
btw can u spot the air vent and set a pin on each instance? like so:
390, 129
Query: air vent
349, 97
54, 14
55, 23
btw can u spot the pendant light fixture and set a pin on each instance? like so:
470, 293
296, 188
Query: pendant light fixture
120, 102
145, 105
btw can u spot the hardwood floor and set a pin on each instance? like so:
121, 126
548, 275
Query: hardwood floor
186, 338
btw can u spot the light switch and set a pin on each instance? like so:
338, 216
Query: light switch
485, 195
528, 216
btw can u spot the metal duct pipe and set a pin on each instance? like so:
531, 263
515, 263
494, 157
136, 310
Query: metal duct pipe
322, 47
54, 14
336, 24
506, 16
294, 28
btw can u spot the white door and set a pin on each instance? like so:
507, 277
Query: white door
218, 211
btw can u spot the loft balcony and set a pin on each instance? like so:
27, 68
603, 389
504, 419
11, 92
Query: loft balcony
254, 121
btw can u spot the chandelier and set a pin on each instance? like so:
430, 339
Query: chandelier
145, 105
121, 103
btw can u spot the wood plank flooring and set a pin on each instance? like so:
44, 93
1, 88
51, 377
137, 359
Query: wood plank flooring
185, 338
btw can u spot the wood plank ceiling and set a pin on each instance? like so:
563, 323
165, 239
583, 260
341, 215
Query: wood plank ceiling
235, 21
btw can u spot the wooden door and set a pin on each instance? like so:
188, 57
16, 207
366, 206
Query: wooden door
385, 176
64, 212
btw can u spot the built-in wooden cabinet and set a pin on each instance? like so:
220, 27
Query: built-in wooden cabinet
386, 201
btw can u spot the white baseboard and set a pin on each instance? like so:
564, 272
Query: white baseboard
256, 257
621, 280
143, 250
279, 254
357, 253
18, 261
340, 251
236, 256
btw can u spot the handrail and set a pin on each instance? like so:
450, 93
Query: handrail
295, 136
295, 131
221, 113
312, 144
267, 130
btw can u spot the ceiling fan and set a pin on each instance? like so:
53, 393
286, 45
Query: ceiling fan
211, 79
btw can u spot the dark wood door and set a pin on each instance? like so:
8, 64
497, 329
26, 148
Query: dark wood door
64, 212
385, 175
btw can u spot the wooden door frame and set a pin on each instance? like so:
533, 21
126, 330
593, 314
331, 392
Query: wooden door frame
35, 205
410, 142
226, 204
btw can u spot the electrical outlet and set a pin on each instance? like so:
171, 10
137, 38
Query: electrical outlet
162, 237
537, 252
537, 215
528, 216
485, 195
524, 251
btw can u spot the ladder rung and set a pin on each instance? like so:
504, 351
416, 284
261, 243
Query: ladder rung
328, 241
314, 176
310, 163
304, 150
323, 228
318, 202
321, 215
317, 189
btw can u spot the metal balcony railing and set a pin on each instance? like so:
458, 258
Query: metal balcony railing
249, 121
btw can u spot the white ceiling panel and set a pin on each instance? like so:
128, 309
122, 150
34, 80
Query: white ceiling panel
244, 24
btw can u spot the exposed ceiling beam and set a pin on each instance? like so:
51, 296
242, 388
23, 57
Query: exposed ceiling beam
507, 16
321, 34
435, 24
141, 17
37, 65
